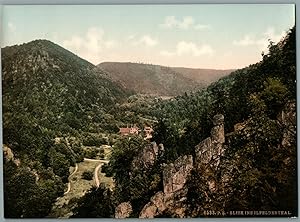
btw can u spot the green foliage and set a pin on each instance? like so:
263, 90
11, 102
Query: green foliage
91, 153
98, 202
261, 170
59, 164
87, 175
107, 170
24, 196
167, 133
49, 93
93, 140
136, 185
274, 95
120, 162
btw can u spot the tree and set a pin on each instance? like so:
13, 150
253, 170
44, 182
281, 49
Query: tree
59, 163
97, 202
87, 175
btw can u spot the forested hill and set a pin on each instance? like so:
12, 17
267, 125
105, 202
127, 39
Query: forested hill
231, 95
48, 92
249, 166
54, 87
203, 76
258, 104
160, 80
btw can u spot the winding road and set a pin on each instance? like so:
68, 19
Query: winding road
69, 184
96, 176
97, 182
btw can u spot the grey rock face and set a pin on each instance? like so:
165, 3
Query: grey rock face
147, 156
8, 154
176, 174
209, 151
218, 120
123, 210
155, 207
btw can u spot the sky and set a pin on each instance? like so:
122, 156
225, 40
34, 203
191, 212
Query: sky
194, 36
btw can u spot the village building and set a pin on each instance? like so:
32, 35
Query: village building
136, 131
129, 130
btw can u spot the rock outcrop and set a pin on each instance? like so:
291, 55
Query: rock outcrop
175, 176
155, 207
9, 155
123, 210
147, 156
209, 152
211, 149
287, 118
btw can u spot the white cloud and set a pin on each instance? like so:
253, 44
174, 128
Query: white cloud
167, 53
201, 27
245, 41
146, 40
189, 48
170, 22
91, 45
131, 37
261, 42
270, 34
11, 26
186, 22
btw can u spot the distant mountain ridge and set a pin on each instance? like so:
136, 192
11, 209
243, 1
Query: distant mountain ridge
160, 80
204, 76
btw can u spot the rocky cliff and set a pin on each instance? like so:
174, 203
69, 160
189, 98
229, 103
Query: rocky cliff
209, 151
172, 199
9, 155
214, 170
147, 157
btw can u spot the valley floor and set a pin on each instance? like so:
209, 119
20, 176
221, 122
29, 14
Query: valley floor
78, 186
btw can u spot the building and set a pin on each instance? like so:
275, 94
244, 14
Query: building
129, 131
136, 131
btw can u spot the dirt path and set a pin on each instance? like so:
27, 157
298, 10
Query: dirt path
69, 183
96, 175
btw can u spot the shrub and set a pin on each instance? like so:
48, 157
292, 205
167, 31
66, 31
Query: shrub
87, 175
